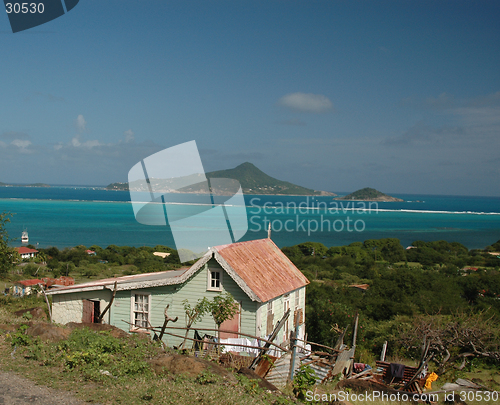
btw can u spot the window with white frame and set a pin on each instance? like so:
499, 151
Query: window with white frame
286, 303
297, 299
270, 318
214, 280
141, 307
286, 307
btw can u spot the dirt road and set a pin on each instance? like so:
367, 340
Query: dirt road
17, 390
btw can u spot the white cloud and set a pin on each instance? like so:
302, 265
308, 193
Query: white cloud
81, 124
129, 136
21, 143
75, 142
306, 102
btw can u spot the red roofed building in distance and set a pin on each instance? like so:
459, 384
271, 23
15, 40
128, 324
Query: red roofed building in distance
26, 253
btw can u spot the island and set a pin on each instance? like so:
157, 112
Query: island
252, 180
24, 185
369, 194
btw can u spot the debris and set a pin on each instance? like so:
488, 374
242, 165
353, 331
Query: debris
252, 375
106, 372
430, 379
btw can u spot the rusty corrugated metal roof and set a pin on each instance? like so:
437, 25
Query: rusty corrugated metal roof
264, 267
135, 278
27, 283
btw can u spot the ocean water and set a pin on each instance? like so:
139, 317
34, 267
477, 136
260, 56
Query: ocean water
69, 216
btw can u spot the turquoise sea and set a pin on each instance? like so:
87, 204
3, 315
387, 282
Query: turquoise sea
68, 216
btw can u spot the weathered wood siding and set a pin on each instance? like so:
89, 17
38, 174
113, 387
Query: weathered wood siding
278, 310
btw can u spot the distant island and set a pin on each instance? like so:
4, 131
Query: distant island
24, 185
369, 194
252, 180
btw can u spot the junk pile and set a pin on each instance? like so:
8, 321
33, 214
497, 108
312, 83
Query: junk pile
339, 363
326, 366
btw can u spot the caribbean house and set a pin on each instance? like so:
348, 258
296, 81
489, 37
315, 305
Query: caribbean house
256, 273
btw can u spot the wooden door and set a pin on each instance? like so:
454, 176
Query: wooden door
91, 311
231, 325
88, 311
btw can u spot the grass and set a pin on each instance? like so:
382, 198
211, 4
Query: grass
98, 367
77, 365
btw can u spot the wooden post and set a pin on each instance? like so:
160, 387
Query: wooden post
271, 338
47, 301
293, 344
101, 315
384, 350
167, 319
354, 336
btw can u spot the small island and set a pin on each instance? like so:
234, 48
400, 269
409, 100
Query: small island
369, 194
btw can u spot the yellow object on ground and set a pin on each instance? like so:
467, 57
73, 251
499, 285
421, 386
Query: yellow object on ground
432, 377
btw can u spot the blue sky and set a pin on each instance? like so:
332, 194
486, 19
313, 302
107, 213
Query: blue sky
402, 96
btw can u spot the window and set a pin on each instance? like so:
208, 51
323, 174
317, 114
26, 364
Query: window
140, 310
270, 318
286, 307
286, 302
297, 299
214, 280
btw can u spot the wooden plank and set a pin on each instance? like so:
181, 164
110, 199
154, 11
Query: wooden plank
343, 361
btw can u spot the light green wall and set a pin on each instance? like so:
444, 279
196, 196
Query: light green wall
195, 288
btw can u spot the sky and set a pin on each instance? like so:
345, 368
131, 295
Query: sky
402, 96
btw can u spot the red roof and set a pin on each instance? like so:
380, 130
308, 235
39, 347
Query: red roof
263, 267
360, 286
27, 283
24, 250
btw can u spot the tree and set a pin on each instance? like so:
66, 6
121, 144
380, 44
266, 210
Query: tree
455, 339
194, 314
223, 307
6, 252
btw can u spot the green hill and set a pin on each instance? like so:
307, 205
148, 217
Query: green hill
255, 181
369, 194
117, 186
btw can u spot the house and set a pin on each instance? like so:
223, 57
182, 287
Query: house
62, 281
24, 287
256, 273
26, 253
161, 254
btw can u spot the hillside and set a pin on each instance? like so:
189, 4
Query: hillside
252, 180
255, 181
369, 194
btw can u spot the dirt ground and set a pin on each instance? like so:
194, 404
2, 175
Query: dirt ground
17, 390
